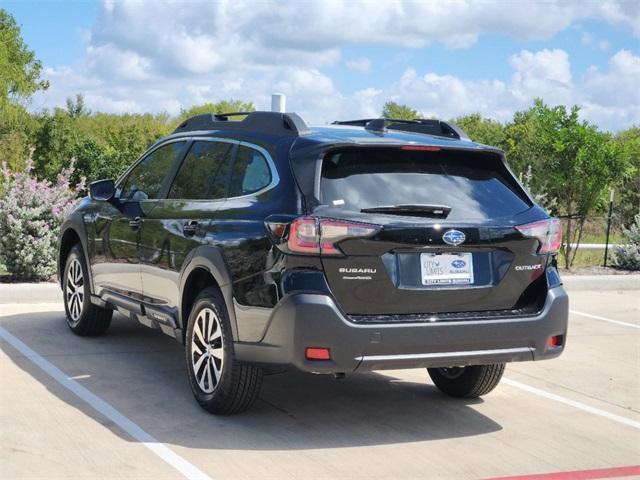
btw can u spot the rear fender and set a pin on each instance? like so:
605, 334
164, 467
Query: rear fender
212, 260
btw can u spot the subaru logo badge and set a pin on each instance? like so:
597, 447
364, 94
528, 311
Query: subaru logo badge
453, 237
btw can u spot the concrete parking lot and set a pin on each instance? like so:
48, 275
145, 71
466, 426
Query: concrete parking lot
119, 406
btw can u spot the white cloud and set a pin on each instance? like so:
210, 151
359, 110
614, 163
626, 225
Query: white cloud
588, 40
360, 65
153, 56
610, 99
545, 74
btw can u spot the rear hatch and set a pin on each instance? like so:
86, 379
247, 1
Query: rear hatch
446, 246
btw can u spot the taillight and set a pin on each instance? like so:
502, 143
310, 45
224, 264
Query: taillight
312, 235
303, 236
549, 232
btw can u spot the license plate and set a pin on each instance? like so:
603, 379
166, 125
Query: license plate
446, 268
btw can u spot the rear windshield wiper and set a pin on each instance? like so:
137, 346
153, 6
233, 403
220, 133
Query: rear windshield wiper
411, 210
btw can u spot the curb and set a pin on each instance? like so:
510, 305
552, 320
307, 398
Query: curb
601, 282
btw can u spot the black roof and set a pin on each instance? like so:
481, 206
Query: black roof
290, 124
380, 132
259, 122
439, 128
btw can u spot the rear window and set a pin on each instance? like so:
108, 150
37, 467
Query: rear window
474, 186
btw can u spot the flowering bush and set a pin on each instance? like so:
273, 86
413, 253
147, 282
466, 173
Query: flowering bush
31, 212
628, 256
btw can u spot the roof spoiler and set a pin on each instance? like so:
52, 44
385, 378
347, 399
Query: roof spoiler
274, 123
439, 128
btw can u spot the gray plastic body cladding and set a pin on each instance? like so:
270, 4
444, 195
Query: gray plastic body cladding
74, 222
312, 320
211, 259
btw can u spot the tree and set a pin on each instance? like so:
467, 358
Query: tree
53, 143
76, 108
629, 192
522, 146
103, 144
399, 112
19, 68
482, 130
579, 164
19, 79
17, 128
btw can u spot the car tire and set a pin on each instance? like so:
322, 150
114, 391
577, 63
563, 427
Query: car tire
220, 383
83, 317
467, 382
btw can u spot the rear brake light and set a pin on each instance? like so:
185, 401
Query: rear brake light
312, 235
548, 232
420, 148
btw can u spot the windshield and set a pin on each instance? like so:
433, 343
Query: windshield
473, 186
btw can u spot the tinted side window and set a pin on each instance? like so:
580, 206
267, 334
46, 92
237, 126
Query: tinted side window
250, 172
146, 179
204, 172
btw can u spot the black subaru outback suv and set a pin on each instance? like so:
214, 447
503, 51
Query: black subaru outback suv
263, 244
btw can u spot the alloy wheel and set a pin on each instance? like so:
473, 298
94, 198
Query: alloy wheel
207, 350
75, 291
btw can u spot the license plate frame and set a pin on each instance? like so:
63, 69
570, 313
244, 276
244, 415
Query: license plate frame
437, 269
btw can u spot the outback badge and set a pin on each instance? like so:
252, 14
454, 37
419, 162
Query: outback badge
453, 237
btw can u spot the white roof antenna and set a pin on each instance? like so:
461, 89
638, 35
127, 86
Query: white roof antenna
278, 102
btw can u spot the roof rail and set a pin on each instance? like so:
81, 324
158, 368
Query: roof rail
439, 128
274, 123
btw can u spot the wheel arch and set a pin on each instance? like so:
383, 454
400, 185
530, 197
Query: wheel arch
72, 232
206, 267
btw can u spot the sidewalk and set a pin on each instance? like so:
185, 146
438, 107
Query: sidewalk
46, 292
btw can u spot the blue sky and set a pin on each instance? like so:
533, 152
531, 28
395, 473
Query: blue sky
338, 60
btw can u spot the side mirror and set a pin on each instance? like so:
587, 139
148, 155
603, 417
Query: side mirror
102, 190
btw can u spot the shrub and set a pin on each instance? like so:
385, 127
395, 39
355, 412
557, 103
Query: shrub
628, 256
31, 213
540, 196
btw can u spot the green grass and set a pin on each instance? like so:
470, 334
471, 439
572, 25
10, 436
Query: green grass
614, 237
586, 258
3, 270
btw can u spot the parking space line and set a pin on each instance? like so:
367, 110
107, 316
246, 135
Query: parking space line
604, 319
611, 472
187, 469
572, 403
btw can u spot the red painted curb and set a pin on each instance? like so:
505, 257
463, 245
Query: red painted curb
578, 474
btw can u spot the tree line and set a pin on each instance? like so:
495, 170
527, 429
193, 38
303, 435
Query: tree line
568, 163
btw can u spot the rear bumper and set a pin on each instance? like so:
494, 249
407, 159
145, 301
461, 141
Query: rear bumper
313, 320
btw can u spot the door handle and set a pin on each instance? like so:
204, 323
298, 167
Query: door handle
190, 228
135, 223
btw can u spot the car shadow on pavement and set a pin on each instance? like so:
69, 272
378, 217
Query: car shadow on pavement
141, 373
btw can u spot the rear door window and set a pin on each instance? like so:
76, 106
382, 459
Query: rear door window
204, 173
474, 186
